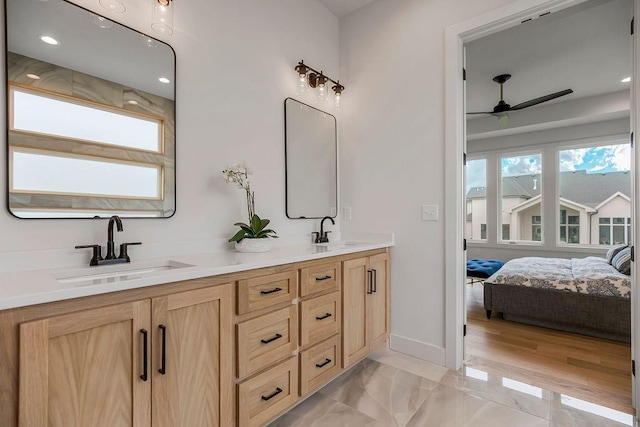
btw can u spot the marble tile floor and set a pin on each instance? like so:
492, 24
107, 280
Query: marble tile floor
391, 389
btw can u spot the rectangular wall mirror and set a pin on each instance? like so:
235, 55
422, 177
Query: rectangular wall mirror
311, 161
90, 115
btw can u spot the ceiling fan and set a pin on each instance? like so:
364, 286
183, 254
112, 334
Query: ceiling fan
502, 109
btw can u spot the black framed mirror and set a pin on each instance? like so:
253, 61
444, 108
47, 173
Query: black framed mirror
90, 115
311, 153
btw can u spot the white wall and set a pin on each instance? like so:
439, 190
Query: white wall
392, 150
235, 61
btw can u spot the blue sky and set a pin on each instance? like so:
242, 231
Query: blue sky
610, 158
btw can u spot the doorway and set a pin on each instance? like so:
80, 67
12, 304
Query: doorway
457, 36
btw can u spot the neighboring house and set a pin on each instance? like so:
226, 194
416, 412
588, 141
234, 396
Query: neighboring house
594, 208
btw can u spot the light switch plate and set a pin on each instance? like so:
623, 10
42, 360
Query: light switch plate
429, 212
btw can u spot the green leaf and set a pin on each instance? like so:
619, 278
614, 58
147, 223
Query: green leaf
248, 231
242, 224
238, 236
266, 233
264, 223
255, 223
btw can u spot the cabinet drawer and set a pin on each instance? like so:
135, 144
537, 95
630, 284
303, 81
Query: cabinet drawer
266, 339
319, 364
320, 278
319, 318
268, 394
266, 291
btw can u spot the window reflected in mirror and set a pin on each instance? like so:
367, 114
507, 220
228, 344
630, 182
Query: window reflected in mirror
91, 115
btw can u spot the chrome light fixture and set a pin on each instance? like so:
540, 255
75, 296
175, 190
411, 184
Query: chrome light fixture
311, 78
163, 17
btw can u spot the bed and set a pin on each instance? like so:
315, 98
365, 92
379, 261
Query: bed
582, 295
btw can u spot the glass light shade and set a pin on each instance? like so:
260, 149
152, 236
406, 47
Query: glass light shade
115, 6
162, 19
101, 21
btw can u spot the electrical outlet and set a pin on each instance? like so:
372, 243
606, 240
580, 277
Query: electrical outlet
346, 213
429, 212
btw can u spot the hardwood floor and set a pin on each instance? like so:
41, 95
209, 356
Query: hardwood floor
591, 369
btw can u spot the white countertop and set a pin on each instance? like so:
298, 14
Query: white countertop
23, 288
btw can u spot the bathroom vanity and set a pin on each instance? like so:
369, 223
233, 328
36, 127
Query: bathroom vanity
218, 339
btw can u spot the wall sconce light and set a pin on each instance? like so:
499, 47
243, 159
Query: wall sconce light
163, 17
314, 79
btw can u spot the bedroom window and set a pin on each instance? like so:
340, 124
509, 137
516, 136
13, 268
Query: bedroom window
476, 199
594, 189
521, 198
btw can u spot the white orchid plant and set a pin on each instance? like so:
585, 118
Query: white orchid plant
256, 227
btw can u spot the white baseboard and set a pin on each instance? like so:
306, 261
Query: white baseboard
421, 350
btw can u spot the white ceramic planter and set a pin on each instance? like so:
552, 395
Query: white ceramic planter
253, 245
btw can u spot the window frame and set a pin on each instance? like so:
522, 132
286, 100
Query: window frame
13, 87
519, 152
486, 176
603, 141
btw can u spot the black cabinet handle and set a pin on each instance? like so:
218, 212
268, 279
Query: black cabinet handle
277, 337
370, 284
145, 367
272, 291
272, 395
163, 368
323, 317
320, 279
325, 363
375, 280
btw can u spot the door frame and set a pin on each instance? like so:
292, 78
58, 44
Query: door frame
455, 36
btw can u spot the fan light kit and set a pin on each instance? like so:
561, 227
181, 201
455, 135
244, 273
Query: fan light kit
502, 109
318, 80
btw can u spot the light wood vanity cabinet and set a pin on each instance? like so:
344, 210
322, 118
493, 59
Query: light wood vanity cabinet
367, 305
83, 369
235, 349
117, 365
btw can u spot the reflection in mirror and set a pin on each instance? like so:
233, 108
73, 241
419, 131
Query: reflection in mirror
311, 161
91, 115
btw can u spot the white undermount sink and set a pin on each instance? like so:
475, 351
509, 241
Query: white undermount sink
116, 273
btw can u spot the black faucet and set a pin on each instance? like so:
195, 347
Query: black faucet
111, 246
322, 237
110, 258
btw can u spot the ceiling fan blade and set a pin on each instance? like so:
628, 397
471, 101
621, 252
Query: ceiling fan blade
482, 112
540, 100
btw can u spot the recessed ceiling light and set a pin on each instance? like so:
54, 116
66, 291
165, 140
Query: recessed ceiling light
33, 76
133, 102
49, 40
626, 80
164, 80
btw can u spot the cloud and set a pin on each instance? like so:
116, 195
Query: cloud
522, 165
569, 159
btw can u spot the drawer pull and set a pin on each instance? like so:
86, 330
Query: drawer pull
272, 291
323, 364
276, 337
323, 317
320, 279
272, 395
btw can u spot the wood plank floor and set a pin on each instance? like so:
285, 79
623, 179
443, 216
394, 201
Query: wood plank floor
591, 369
